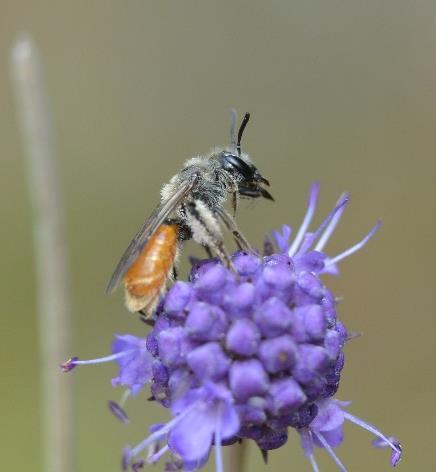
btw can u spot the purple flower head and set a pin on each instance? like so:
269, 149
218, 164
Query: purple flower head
250, 353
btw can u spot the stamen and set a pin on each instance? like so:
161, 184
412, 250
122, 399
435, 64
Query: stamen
372, 429
356, 247
353, 335
160, 432
339, 208
118, 412
153, 458
313, 197
125, 458
282, 238
218, 452
307, 444
305, 245
395, 455
330, 450
313, 463
74, 361
69, 364
124, 397
332, 224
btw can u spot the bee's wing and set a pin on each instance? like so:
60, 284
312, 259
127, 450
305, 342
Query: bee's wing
150, 225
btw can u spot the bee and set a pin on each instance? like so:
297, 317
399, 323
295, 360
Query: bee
191, 206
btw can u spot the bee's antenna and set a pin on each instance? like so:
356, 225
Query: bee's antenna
233, 118
241, 131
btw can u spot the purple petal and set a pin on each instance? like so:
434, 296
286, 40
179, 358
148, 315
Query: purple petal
282, 239
246, 264
178, 298
205, 322
253, 411
238, 299
191, 438
315, 323
278, 354
136, 366
285, 396
333, 343
333, 437
315, 358
173, 345
330, 416
212, 281
243, 338
279, 277
180, 381
208, 361
230, 423
126, 342
273, 317
311, 262
311, 285
248, 379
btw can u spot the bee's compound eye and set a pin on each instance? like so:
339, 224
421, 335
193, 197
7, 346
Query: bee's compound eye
233, 163
226, 160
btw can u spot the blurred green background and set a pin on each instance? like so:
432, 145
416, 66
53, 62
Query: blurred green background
340, 91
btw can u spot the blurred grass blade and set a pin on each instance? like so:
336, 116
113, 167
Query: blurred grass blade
36, 127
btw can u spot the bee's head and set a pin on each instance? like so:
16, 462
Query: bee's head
248, 178
245, 173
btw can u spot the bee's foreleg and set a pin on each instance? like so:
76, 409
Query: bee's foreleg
231, 225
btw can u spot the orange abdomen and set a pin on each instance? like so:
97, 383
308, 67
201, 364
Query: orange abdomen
147, 276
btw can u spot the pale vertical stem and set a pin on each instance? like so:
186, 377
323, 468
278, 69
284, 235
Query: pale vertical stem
234, 457
50, 255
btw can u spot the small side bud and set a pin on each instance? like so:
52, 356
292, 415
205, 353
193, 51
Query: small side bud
264, 456
118, 412
138, 465
126, 458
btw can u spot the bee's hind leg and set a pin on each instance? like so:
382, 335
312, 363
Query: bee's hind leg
146, 319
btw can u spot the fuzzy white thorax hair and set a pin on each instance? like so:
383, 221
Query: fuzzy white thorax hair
206, 166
